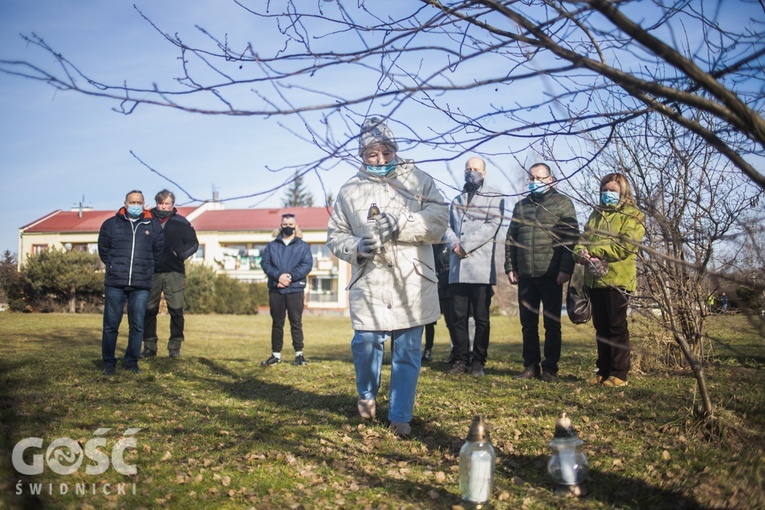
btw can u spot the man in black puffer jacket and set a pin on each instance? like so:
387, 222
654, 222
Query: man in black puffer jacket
130, 245
170, 275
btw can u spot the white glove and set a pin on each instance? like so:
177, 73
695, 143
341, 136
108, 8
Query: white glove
388, 227
367, 246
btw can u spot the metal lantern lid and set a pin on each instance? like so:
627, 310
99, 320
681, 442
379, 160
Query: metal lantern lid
564, 429
478, 432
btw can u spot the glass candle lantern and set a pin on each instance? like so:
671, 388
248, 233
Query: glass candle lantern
568, 465
477, 458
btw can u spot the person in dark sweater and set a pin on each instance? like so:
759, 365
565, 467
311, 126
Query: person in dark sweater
169, 275
538, 248
442, 256
286, 260
130, 244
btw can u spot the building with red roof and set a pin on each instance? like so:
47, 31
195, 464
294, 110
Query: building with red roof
230, 240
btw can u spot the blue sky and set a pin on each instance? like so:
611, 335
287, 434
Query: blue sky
56, 147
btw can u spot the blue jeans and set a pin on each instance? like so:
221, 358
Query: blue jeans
368, 348
114, 303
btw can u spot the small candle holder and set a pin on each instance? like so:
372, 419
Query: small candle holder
568, 465
477, 458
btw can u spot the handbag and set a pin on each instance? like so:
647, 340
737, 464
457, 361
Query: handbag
578, 305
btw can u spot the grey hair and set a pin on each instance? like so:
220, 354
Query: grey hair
134, 191
162, 196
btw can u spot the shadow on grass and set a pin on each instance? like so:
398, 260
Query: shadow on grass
10, 389
610, 489
338, 410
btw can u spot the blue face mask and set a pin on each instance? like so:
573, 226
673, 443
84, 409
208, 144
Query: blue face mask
609, 197
537, 187
380, 170
135, 210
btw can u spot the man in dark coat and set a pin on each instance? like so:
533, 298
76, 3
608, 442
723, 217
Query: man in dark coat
286, 260
130, 245
170, 275
538, 259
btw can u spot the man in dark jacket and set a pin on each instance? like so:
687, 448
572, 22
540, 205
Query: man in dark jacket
129, 244
286, 260
170, 275
538, 258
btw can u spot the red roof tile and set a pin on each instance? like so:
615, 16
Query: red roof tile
69, 221
308, 218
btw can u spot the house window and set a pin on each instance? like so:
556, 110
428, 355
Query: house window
200, 254
39, 248
241, 257
323, 260
255, 256
79, 247
323, 289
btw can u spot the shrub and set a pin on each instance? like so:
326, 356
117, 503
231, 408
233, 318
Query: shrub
209, 292
199, 296
55, 280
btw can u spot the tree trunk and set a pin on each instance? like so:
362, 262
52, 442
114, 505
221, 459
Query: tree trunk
698, 374
73, 300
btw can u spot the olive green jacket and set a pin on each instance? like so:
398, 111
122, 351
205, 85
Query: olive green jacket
613, 234
542, 233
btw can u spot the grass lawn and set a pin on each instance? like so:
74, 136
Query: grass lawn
219, 431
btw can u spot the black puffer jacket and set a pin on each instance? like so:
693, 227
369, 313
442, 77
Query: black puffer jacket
130, 250
541, 236
180, 243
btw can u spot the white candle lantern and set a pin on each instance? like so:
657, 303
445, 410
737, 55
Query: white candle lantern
477, 460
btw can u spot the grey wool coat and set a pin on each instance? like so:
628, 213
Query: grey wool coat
475, 224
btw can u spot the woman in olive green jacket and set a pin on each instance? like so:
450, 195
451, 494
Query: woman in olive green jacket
608, 250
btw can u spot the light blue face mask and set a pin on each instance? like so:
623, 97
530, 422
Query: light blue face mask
135, 210
609, 197
380, 170
537, 187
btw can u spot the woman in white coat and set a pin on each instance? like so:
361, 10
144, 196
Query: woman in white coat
393, 288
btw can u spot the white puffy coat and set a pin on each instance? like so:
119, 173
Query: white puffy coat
396, 289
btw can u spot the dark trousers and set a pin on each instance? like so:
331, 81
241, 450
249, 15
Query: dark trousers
609, 316
173, 286
463, 296
290, 305
430, 329
532, 292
